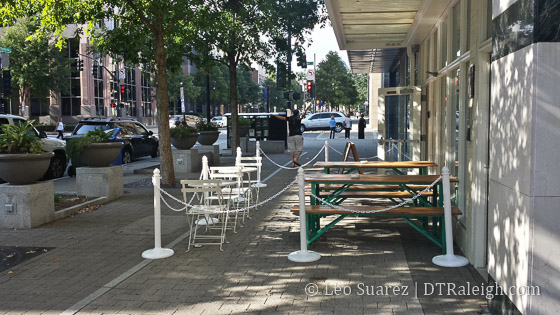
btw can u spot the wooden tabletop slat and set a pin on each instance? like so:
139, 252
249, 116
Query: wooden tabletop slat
401, 210
361, 187
376, 164
370, 179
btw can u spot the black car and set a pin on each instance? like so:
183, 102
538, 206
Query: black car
138, 141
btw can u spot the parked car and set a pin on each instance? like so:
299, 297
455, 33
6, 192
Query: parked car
220, 121
192, 120
58, 161
321, 121
138, 141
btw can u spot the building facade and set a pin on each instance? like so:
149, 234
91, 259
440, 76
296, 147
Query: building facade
472, 84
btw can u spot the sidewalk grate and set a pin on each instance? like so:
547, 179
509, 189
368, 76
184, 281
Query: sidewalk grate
13, 255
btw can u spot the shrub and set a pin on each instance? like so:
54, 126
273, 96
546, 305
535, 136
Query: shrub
244, 122
202, 126
75, 146
19, 139
182, 131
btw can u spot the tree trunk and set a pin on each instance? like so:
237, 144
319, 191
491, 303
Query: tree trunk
235, 141
24, 95
166, 159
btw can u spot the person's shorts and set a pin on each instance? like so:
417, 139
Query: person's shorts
295, 143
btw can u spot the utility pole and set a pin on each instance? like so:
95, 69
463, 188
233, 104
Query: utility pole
289, 71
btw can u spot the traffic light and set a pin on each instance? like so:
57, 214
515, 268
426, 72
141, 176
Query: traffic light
80, 65
310, 88
301, 59
123, 93
7, 82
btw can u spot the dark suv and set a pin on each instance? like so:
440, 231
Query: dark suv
138, 141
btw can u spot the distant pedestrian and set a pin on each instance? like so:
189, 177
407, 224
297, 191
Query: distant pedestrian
332, 124
295, 138
60, 128
361, 127
347, 127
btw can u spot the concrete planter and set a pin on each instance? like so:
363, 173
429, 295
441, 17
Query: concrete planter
101, 154
24, 169
208, 137
185, 143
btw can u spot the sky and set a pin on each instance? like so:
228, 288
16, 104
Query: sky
323, 42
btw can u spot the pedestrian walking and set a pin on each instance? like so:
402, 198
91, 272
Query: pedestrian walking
332, 124
361, 127
59, 128
295, 138
347, 127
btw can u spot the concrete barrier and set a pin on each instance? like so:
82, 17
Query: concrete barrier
100, 181
26, 206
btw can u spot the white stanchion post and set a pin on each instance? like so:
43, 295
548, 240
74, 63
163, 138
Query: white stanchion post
302, 255
259, 167
449, 259
205, 168
326, 151
238, 156
400, 157
157, 252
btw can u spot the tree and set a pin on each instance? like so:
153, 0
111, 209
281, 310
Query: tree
360, 82
245, 31
149, 32
36, 65
333, 82
176, 80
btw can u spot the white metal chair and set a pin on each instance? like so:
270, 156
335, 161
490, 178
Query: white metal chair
254, 162
207, 203
234, 187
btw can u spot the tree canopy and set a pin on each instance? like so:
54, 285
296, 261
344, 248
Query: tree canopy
36, 66
334, 83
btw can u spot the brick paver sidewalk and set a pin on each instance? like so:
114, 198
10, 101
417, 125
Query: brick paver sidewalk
96, 265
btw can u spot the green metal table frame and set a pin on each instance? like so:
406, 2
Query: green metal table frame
434, 232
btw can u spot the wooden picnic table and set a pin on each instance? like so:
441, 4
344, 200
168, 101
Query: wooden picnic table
395, 165
345, 181
428, 215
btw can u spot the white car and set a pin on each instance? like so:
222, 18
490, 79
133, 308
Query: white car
321, 121
220, 121
191, 120
58, 161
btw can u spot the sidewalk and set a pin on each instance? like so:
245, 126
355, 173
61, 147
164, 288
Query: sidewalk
96, 264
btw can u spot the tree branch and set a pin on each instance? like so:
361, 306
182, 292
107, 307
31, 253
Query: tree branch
142, 17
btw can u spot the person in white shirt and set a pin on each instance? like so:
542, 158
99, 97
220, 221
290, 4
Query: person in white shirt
347, 127
60, 128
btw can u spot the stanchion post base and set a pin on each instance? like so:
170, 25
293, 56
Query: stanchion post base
157, 253
450, 260
307, 256
204, 222
259, 185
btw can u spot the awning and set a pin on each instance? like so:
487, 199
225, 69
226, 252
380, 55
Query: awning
373, 31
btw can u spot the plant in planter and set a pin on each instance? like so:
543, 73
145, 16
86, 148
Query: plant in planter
95, 149
244, 126
208, 133
22, 161
183, 137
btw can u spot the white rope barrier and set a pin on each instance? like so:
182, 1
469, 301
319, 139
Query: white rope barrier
416, 196
232, 210
292, 168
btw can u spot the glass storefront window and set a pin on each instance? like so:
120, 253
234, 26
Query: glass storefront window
444, 43
456, 33
489, 26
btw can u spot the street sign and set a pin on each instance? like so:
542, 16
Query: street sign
310, 74
310, 63
5, 50
121, 73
